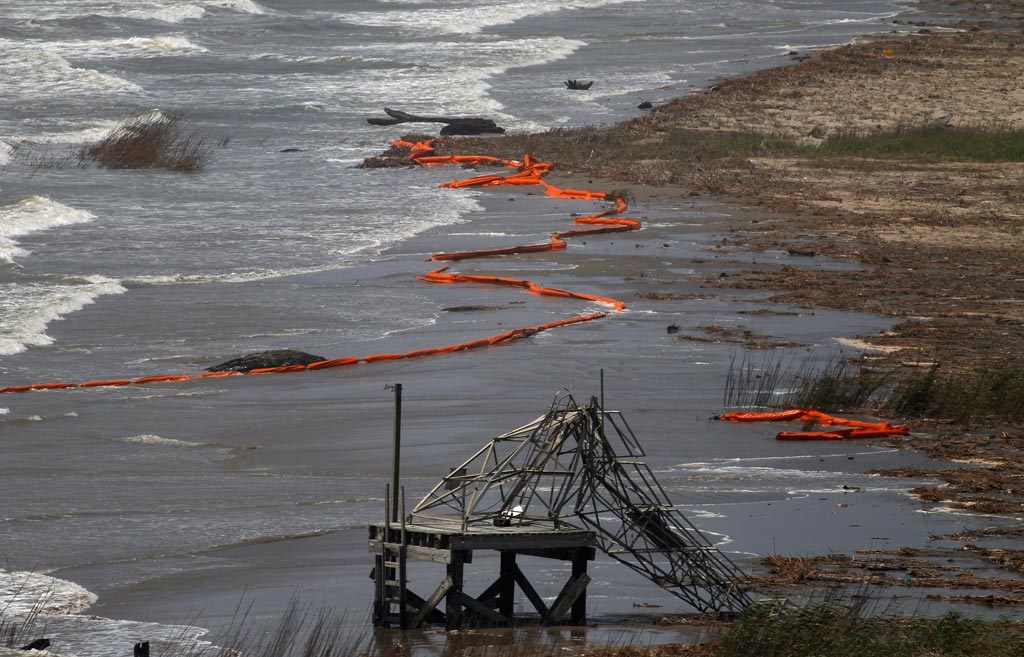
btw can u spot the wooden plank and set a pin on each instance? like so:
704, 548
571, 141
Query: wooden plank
415, 603
477, 607
563, 554
429, 606
417, 553
492, 591
522, 541
566, 598
530, 592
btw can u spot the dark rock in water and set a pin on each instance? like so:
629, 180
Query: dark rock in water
291, 149
272, 358
38, 644
459, 125
645, 105
471, 127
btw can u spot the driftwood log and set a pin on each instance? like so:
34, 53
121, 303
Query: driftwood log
455, 125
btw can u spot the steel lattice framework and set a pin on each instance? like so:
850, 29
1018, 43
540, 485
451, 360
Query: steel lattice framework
580, 466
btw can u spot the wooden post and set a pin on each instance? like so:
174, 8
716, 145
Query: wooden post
507, 579
453, 597
397, 451
579, 569
403, 617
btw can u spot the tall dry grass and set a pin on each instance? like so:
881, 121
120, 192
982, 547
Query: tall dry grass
153, 140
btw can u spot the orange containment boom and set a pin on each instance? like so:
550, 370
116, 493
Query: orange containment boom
855, 428
528, 172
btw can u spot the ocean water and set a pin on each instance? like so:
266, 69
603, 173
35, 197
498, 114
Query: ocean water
110, 274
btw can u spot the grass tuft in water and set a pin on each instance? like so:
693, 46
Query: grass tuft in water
149, 141
939, 392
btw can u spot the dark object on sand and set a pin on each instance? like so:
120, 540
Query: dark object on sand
141, 649
645, 105
38, 644
578, 85
809, 253
672, 328
455, 125
260, 359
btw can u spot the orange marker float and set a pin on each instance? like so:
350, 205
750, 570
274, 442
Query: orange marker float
856, 428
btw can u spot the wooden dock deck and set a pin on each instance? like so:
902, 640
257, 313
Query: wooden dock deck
449, 543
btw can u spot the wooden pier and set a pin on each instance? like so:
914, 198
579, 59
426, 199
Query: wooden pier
394, 545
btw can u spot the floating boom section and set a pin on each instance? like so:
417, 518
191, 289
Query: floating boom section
581, 467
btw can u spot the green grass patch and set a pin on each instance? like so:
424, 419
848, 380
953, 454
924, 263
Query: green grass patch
961, 143
833, 630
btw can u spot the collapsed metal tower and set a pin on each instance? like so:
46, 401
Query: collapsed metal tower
580, 466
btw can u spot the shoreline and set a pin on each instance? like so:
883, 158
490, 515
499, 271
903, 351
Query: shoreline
713, 268
932, 244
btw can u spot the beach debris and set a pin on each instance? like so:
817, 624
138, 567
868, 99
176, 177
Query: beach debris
646, 105
672, 328
809, 253
271, 358
578, 85
38, 644
469, 125
854, 428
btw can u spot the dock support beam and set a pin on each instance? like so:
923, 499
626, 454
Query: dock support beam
495, 606
453, 598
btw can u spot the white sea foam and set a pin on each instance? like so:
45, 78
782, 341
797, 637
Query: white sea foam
31, 215
470, 18
32, 70
6, 152
243, 6
171, 14
149, 439
21, 592
26, 310
160, 45
53, 606
717, 471
90, 132
4, 411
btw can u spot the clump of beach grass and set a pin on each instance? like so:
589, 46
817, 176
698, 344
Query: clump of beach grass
154, 140
929, 141
832, 385
969, 397
829, 629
